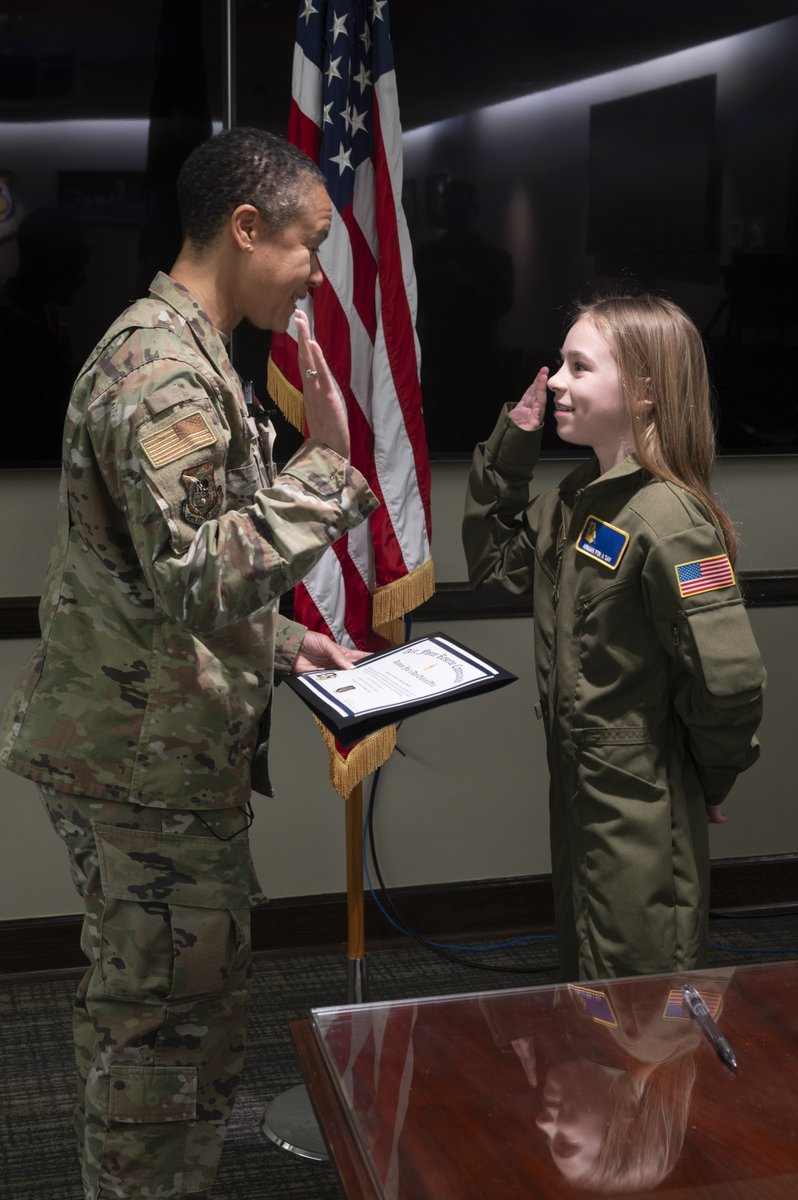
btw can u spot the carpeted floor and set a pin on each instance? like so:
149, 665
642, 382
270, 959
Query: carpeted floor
37, 1160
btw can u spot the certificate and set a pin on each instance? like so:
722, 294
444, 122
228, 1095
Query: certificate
407, 679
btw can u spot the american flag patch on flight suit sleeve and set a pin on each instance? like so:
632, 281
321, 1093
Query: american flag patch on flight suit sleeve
704, 575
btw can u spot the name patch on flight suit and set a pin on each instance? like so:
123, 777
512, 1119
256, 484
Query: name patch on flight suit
602, 541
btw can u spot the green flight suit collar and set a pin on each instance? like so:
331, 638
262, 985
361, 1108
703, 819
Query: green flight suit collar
587, 475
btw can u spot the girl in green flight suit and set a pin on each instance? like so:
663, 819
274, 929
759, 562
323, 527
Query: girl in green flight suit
650, 679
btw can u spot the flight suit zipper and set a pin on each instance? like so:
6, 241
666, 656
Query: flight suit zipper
592, 602
565, 520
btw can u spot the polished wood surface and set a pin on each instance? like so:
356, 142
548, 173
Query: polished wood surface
563, 1091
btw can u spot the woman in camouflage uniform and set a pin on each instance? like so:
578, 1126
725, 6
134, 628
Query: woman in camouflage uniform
143, 715
649, 677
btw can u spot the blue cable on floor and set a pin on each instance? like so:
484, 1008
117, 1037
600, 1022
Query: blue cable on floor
751, 949
367, 829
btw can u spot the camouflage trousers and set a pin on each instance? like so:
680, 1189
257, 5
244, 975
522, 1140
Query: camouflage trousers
160, 1015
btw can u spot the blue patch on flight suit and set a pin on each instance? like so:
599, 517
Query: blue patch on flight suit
602, 541
595, 1003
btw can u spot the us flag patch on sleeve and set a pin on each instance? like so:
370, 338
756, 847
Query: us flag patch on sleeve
166, 443
704, 575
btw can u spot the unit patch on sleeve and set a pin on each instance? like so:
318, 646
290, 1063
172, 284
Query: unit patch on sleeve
203, 494
602, 541
189, 432
704, 575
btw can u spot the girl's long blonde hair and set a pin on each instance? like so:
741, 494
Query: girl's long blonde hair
661, 357
645, 1134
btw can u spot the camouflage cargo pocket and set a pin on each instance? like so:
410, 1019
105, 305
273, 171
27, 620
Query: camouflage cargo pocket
175, 922
138, 1131
148, 1094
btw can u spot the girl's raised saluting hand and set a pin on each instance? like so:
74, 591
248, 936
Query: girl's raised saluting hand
528, 412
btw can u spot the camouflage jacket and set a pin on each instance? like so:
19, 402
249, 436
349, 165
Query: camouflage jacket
160, 632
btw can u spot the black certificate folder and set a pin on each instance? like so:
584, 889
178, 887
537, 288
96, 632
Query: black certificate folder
385, 688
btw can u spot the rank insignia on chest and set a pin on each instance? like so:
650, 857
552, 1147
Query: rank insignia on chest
203, 494
602, 541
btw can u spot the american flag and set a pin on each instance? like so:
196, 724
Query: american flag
704, 575
345, 116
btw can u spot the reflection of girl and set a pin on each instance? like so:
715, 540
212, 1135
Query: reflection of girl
617, 1091
650, 680
612, 1131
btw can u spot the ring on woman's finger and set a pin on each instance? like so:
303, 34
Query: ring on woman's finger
311, 374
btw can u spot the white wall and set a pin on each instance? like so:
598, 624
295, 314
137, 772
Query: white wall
467, 798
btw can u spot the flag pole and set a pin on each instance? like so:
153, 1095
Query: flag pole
357, 965
289, 1120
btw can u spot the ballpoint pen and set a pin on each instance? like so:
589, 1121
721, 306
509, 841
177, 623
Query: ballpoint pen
701, 1013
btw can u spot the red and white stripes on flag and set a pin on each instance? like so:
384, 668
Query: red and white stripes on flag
345, 116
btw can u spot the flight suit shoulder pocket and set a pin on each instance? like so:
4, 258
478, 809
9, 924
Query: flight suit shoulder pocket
720, 638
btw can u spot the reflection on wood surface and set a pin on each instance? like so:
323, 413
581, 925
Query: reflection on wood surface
605, 1088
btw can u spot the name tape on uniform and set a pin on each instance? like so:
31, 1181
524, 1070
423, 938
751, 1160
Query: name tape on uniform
602, 541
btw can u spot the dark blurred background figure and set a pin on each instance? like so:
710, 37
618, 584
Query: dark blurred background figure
180, 118
35, 349
465, 286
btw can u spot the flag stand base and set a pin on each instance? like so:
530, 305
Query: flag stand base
357, 978
289, 1122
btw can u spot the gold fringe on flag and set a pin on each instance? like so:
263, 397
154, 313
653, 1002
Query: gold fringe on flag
288, 399
363, 759
390, 603
393, 632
